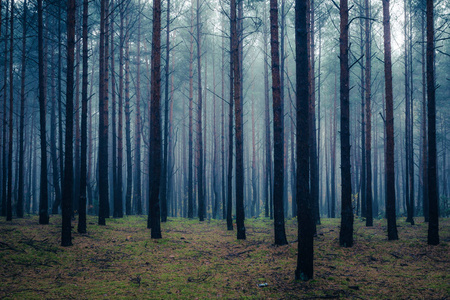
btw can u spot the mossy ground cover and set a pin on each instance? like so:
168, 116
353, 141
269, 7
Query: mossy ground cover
204, 260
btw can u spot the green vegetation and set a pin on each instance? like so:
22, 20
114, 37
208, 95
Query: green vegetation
204, 260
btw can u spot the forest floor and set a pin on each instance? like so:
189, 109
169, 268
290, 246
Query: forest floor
197, 260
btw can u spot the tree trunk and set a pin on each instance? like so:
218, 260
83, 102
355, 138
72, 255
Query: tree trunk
137, 135
191, 104
43, 215
346, 232
84, 100
113, 104
389, 156
201, 199
268, 171
166, 121
128, 124
314, 167
368, 121
230, 142
5, 118
240, 215
43, 203
118, 190
103, 118
278, 130
66, 232
433, 221
20, 198
155, 125
305, 256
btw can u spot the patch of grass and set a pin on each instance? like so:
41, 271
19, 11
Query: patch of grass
203, 260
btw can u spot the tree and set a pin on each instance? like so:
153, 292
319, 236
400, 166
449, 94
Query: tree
20, 197
305, 255
368, 120
43, 216
137, 137
66, 232
84, 100
128, 123
43, 203
191, 104
389, 121
166, 121
103, 211
278, 136
433, 221
155, 125
240, 216
5, 118
346, 232
200, 187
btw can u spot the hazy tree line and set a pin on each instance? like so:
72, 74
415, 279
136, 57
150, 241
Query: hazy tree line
226, 109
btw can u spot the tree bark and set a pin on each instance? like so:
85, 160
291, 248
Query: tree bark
389, 149
433, 221
66, 232
103, 118
200, 171
346, 232
128, 123
84, 100
305, 256
278, 130
368, 121
137, 135
43, 215
240, 215
191, 104
20, 197
155, 128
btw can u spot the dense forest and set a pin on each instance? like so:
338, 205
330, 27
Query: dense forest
283, 111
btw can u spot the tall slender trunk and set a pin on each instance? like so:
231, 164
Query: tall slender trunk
113, 103
103, 117
346, 232
155, 125
278, 130
230, 143
20, 198
137, 134
84, 100
424, 153
76, 191
368, 121
166, 121
363, 191
389, 117
191, 104
314, 167
43, 203
5, 118
224, 210
433, 221
201, 199
409, 155
43, 215
60, 111
118, 190
128, 124
66, 232
240, 215
333, 152
268, 172
305, 256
